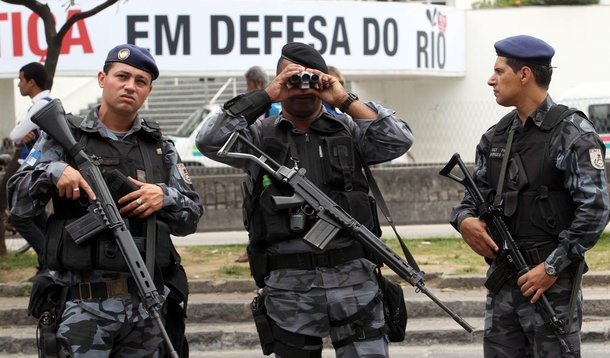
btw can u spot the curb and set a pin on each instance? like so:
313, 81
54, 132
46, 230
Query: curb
434, 279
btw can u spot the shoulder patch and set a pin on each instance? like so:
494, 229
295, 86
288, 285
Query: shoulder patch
597, 160
184, 174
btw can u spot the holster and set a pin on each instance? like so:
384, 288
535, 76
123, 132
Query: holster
262, 323
47, 303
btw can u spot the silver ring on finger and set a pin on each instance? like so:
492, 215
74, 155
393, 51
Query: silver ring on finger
75, 189
139, 201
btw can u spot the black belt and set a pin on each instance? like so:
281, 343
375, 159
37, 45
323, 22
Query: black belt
309, 261
536, 255
102, 290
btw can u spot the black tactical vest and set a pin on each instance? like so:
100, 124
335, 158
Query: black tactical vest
328, 154
536, 205
101, 251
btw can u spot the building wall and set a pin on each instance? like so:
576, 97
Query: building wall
414, 195
447, 114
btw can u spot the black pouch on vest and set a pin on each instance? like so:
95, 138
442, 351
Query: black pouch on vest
118, 184
276, 221
61, 252
166, 255
257, 260
108, 255
337, 156
358, 205
394, 309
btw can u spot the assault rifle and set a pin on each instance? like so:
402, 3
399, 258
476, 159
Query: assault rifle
52, 120
509, 249
332, 218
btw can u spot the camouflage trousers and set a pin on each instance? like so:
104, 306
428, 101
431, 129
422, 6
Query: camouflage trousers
514, 327
89, 335
310, 313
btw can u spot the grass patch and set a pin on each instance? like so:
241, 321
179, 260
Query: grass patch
12, 262
234, 271
450, 256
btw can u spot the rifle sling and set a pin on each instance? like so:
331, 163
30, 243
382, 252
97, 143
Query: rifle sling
381, 202
509, 143
384, 209
575, 290
151, 221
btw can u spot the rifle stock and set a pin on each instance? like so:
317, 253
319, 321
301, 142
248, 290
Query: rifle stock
500, 233
52, 120
332, 218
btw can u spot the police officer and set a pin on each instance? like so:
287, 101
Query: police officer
103, 313
554, 197
311, 294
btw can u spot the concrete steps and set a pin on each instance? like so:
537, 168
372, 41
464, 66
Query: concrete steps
219, 318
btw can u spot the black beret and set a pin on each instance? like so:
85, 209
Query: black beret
304, 55
527, 48
135, 56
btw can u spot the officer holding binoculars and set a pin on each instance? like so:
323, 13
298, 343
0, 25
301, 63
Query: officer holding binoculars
309, 294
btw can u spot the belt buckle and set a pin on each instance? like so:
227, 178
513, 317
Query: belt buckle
80, 290
116, 288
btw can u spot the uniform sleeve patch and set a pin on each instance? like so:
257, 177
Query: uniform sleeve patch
184, 173
597, 160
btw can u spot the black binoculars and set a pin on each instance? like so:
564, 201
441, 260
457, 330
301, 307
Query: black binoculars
305, 80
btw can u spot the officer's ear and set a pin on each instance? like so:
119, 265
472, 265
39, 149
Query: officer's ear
525, 74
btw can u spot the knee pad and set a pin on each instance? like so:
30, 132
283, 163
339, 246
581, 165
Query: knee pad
294, 345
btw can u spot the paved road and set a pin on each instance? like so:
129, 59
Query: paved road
591, 350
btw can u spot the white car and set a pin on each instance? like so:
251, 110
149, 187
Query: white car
594, 100
184, 138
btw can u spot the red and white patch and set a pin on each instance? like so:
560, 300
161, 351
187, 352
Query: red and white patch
597, 160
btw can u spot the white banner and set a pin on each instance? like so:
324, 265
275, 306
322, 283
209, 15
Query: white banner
203, 36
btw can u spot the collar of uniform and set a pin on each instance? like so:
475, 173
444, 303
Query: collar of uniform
324, 115
538, 115
92, 124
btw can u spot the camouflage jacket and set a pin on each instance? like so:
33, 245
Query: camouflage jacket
571, 150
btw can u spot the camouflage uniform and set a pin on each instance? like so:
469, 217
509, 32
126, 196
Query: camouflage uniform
116, 325
305, 301
513, 327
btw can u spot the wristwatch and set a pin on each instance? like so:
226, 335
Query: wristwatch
550, 269
351, 97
